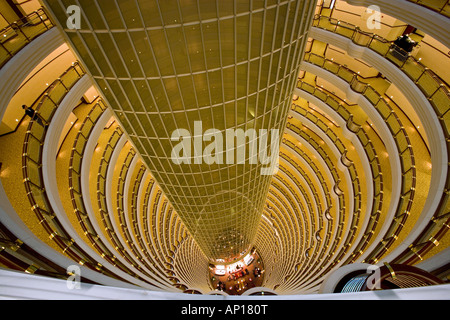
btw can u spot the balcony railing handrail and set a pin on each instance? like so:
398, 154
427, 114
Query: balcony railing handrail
336, 179
373, 209
21, 26
101, 196
45, 213
79, 207
20, 23
357, 30
388, 240
424, 242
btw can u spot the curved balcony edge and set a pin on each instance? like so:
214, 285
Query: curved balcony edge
359, 148
15, 71
11, 220
85, 167
50, 150
432, 23
383, 131
431, 125
25, 286
378, 122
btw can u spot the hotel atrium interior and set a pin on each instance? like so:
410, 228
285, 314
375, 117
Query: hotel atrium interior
352, 200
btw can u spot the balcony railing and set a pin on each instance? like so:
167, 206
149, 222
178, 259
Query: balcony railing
32, 168
356, 194
435, 90
101, 193
433, 87
121, 212
18, 34
315, 219
372, 157
400, 136
336, 181
75, 184
17, 255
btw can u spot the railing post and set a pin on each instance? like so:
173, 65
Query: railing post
3, 46
355, 32
353, 81
48, 97
423, 72
75, 68
20, 29
61, 82
435, 91
40, 18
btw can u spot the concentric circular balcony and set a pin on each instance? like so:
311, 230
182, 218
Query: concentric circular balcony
362, 175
